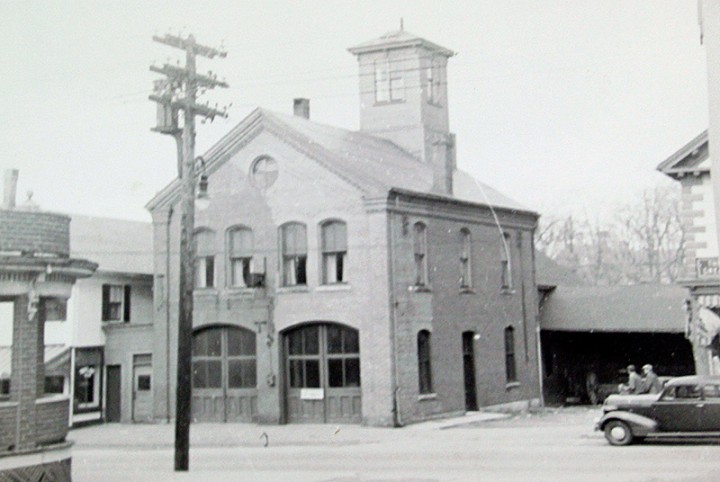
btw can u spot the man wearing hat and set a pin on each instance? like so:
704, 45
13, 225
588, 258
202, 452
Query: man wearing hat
634, 384
650, 381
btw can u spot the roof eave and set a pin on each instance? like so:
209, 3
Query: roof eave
667, 166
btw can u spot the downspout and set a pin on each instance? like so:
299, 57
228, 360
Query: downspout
397, 418
537, 322
167, 315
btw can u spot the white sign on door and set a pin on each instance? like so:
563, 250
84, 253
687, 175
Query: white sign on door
312, 393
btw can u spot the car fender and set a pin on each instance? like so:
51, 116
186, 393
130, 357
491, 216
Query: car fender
639, 424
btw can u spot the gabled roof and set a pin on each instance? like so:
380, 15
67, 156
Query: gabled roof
635, 308
398, 39
688, 159
117, 245
371, 164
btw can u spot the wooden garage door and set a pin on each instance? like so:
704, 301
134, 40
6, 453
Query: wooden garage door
224, 375
323, 374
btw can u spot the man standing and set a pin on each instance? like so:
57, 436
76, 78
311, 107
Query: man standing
650, 381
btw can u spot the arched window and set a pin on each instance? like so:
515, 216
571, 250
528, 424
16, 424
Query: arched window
294, 254
334, 251
465, 259
205, 258
510, 372
420, 250
424, 362
240, 254
505, 266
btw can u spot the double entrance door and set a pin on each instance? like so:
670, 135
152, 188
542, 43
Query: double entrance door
322, 368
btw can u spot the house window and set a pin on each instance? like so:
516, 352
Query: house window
510, 372
4, 388
334, 251
420, 250
116, 303
264, 172
465, 257
382, 84
294, 254
424, 362
87, 388
397, 86
205, 259
433, 82
240, 249
505, 264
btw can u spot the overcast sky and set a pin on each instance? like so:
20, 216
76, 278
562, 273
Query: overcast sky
565, 106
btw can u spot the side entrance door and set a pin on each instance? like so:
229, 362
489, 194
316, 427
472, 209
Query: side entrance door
112, 397
142, 388
322, 368
469, 370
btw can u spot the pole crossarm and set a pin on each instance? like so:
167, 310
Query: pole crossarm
189, 44
179, 73
197, 109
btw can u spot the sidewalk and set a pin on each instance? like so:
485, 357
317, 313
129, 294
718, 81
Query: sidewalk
251, 435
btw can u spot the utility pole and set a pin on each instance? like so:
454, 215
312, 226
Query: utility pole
176, 93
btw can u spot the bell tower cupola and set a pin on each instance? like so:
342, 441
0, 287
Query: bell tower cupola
403, 98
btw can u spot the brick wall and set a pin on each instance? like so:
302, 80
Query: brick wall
51, 420
34, 232
8, 411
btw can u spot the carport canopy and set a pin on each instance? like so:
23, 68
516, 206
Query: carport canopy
636, 308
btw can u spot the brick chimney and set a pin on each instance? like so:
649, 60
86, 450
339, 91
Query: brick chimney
11, 178
301, 107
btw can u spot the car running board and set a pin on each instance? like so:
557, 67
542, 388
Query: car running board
682, 434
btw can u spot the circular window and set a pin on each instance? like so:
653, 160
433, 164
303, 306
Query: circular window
264, 172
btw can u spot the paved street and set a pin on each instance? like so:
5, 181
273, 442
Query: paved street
551, 445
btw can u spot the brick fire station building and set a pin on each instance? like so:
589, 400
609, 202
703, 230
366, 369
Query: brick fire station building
350, 276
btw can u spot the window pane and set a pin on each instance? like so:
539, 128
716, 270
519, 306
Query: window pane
199, 374
199, 344
300, 274
340, 267
295, 342
214, 373
205, 243
397, 87
312, 374
241, 242
241, 374
294, 239
240, 342
334, 339
209, 271
143, 383
352, 372
296, 373
311, 340
335, 372
214, 341
351, 341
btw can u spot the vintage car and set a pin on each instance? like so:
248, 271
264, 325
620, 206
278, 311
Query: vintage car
687, 407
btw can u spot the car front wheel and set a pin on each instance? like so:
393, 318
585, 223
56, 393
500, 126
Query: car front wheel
618, 432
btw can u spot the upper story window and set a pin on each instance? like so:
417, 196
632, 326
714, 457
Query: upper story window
510, 370
116, 303
205, 259
420, 250
389, 84
334, 251
294, 254
240, 254
264, 172
505, 263
433, 79
424, 362
465, 259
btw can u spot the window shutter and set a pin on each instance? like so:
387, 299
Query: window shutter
105, 302
126, 304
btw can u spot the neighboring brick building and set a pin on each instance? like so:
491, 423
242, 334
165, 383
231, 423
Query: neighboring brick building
691, 166
351, 276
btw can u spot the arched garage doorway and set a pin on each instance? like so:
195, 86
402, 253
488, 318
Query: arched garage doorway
224, 375
322, 374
